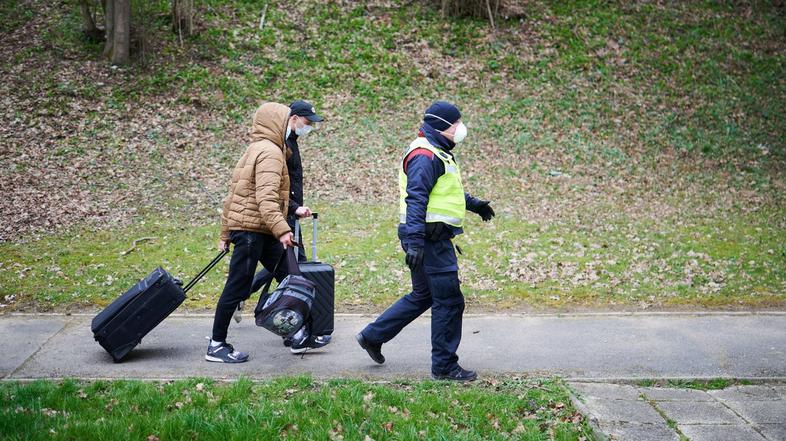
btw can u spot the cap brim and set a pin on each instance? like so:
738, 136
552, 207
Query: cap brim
314, 118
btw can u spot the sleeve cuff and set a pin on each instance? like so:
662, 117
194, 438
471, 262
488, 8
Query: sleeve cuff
280, 228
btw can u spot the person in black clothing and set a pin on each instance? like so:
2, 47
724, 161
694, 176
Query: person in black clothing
301, 118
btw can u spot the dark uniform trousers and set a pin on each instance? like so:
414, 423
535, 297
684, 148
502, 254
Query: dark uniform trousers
432, 288
249, 249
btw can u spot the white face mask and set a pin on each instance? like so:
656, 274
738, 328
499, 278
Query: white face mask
459, 134
286, 136
303, 131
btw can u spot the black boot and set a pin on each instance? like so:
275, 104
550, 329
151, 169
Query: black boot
374, 351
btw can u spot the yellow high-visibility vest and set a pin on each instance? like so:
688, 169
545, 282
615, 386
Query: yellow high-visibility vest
446, 201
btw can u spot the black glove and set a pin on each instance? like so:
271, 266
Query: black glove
414, 257
484, 210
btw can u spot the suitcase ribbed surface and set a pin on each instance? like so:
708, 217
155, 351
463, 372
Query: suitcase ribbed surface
322, 310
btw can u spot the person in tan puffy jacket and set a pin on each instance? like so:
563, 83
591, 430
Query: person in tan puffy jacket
254, 220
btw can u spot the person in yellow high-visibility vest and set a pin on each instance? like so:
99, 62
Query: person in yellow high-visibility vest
431, 209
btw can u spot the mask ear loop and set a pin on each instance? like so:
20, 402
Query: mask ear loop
440, 118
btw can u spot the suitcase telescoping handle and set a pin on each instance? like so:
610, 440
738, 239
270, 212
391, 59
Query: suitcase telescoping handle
314, 216
206, 269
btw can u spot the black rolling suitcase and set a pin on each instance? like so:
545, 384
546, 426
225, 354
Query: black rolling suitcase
122, 324
323, 275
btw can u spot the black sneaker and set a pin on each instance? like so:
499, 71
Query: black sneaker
458, 374
225, 353
374, 351
310, 342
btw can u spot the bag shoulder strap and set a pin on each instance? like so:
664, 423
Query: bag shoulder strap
292, 267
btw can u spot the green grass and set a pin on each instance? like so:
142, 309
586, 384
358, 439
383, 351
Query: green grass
700, 77
664, 120
509, 263
292, 408
712, 384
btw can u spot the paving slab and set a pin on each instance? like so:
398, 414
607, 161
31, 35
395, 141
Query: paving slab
671, 394
638, 432
698, 412
720, 433
613, 413
752, 392
774, 432
760, 412
626, 411
22, 337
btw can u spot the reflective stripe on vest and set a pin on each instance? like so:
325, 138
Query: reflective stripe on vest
446, 202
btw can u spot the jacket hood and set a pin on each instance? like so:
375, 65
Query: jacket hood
270, 122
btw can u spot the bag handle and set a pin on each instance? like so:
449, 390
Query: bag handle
292, 266
291, 256
205, 270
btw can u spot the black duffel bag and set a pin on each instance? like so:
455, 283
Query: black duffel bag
287, 308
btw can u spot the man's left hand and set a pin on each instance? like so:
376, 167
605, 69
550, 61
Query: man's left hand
485, 211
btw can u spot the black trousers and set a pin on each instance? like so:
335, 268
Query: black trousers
249, 249
264, 276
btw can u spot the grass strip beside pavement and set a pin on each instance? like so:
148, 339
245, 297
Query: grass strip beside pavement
707, 384
731, 261
291, 408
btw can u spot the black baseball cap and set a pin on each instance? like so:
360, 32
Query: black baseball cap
305, 109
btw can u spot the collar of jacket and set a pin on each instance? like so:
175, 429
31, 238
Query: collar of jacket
436, 138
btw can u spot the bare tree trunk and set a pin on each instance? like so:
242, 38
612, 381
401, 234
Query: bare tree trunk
491, 15
89, 28
122, 41
109, 27
183, 17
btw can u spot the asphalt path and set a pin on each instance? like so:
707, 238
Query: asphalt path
579, 346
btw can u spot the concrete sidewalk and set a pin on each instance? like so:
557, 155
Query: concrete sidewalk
738, 413
580, 346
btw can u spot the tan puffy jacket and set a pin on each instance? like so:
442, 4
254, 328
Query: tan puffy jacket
259, 190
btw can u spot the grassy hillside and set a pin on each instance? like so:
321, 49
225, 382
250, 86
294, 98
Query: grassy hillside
634, 151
